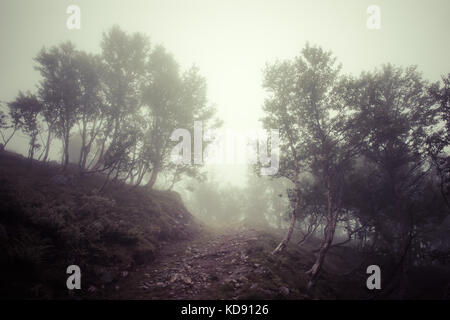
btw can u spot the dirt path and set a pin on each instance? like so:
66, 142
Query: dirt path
210, 267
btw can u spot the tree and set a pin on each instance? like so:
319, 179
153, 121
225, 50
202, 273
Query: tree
171, 100
60, 91
281, 113
123, 67
6, 124
162, 97
315, 126
91, 109
391, 189
125, 103
24, 111
440, 140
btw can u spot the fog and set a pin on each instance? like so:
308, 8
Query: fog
230, 42
225, 149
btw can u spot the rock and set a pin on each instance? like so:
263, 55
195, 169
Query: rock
284, 291
161, 284
187, 280
173, 278
180, 277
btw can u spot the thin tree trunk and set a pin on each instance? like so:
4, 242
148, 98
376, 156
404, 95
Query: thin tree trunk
330, 228
140, 174
31, 150
47, 145
153, 177
288, 236
6, 140
105, 183
83, 150
294, 214
312, 227
326, 244
175, 177
100, 156
66, 151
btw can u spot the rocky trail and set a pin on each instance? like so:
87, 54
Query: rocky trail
209, 267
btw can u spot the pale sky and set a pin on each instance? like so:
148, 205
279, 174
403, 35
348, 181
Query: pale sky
230, 41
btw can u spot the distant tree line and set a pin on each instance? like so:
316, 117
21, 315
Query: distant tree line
261, 201
123, 104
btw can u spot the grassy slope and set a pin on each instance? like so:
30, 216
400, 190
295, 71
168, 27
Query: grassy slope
47, 224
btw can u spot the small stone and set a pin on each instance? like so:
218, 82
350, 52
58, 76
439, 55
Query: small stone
284, 291
187, 280
173, 278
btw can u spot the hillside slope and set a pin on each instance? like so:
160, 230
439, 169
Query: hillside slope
49, 221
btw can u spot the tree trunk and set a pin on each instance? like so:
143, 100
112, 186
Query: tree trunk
83, 150
330, 228
6, 140
294, 214
288, 236
66, 151
174, 179
153, 177
32, 148
47, 145
326, 244
99, 161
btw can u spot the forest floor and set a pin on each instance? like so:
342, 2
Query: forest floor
195, 269
140, 244
226, 264
212, 266
236, 264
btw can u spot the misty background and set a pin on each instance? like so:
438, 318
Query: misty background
88, 178
230, 42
